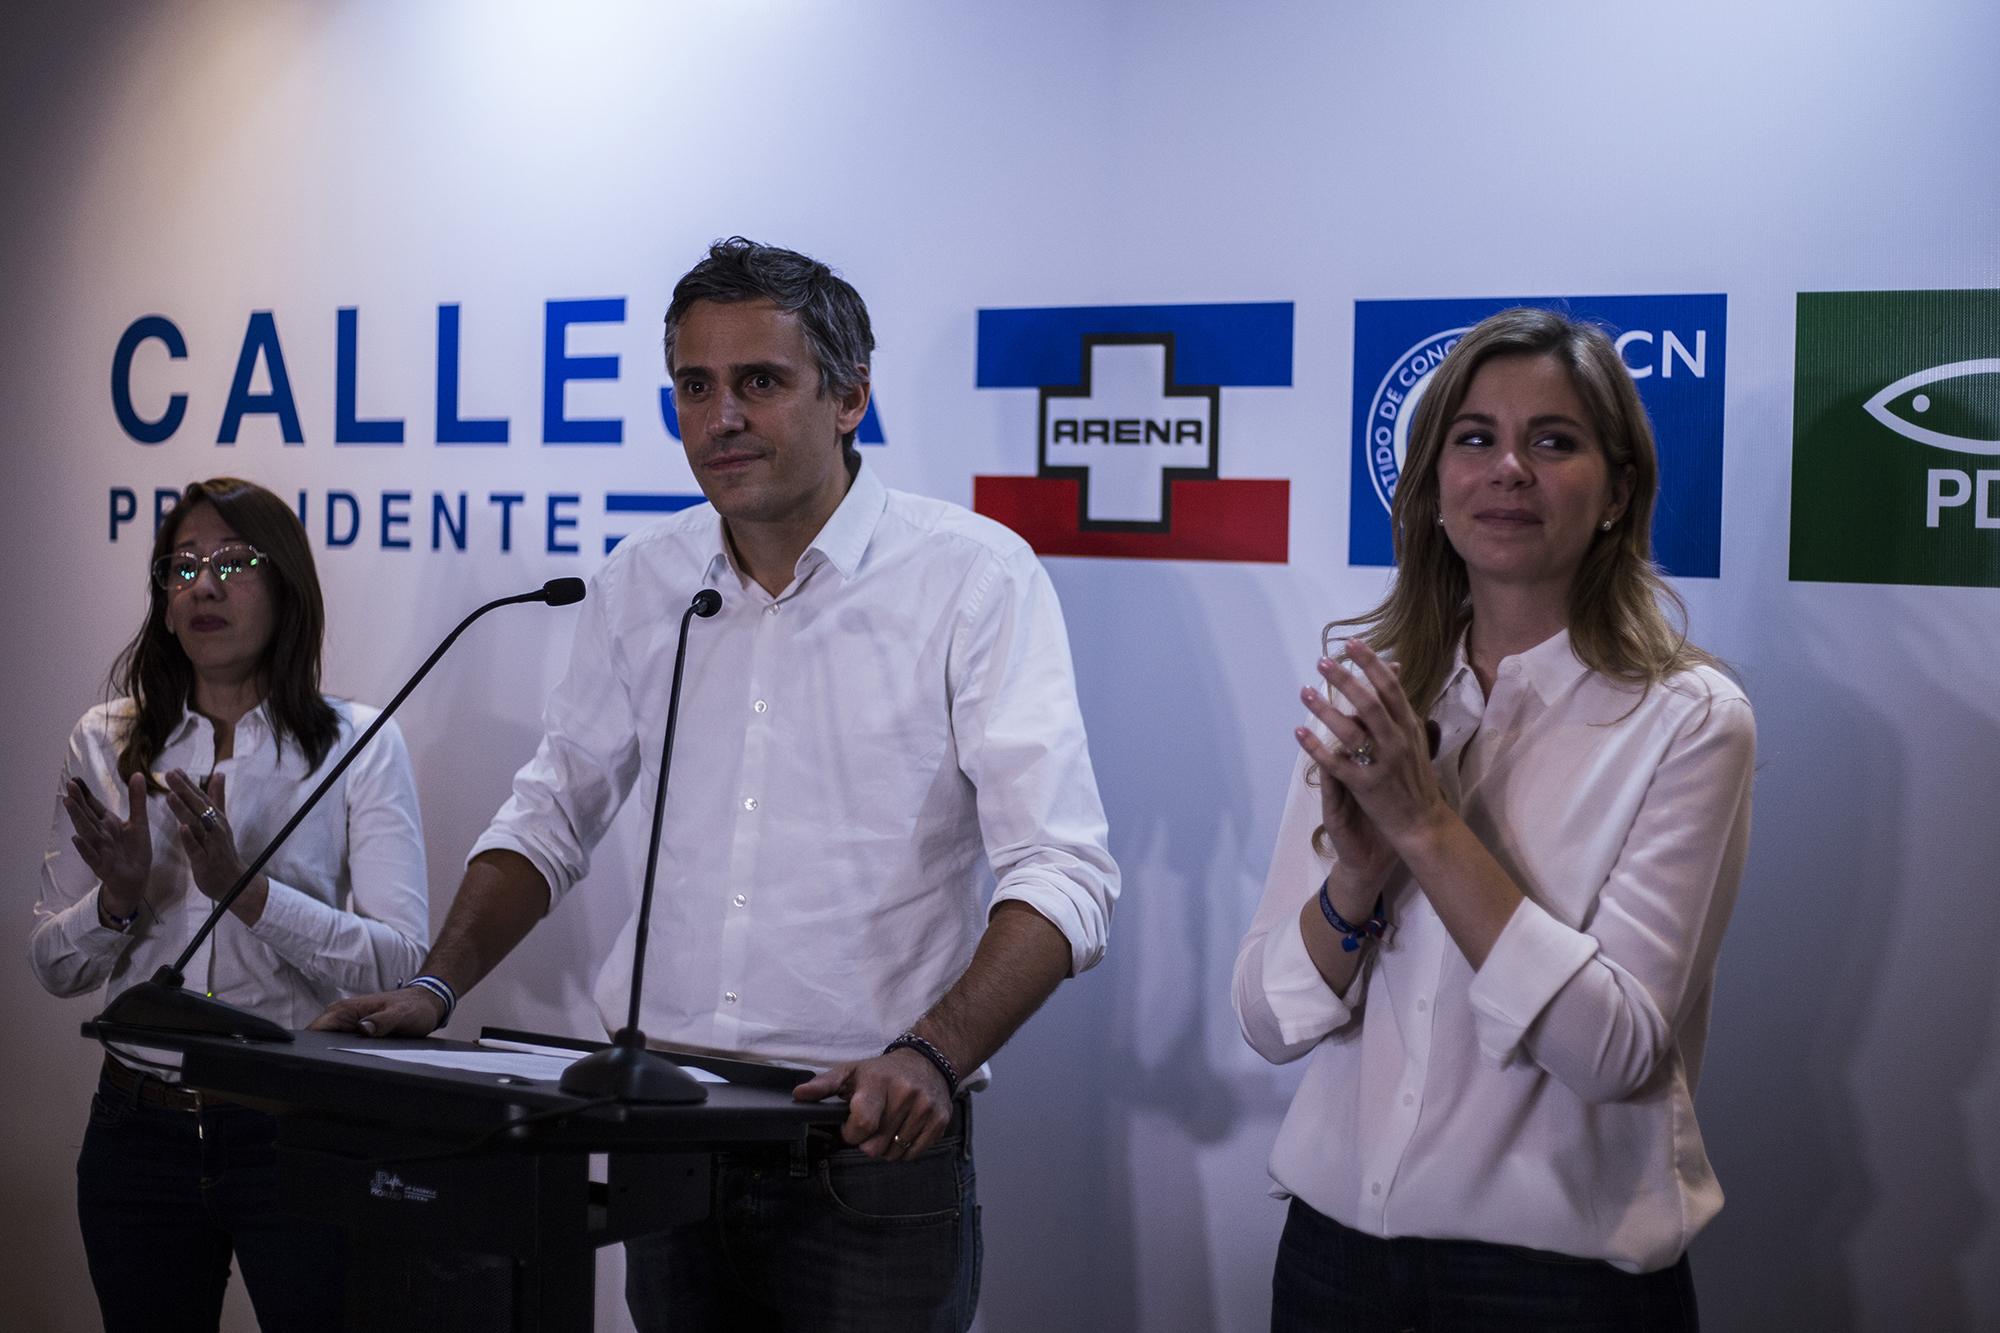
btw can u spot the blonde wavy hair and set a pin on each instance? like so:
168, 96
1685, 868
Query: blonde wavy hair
1619, 622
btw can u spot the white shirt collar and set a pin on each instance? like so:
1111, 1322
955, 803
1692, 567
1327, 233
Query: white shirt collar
842, 542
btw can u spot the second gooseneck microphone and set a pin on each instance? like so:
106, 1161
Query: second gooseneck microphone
626, 1070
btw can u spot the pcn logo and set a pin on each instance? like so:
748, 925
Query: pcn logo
1129, 427
1673, 346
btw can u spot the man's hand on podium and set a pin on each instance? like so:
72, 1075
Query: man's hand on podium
409, 1012
897, 1104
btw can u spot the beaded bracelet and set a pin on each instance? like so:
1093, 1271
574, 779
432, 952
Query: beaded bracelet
910, 1041
1352, 937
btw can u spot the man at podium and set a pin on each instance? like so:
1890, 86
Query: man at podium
882, 711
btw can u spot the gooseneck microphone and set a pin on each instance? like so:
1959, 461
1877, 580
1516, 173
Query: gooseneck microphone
625, 1070
163, 1004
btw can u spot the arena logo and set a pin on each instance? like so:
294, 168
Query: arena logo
1879, 373
150, 398
1674, 347
1128, 431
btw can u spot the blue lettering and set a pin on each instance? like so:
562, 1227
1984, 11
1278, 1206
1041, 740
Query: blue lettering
260, 338
395, 515
506, 500
348, 427
160, 328
559, 369
451, 428
342, 500
1696, 361
124, 508
441, 519
560, 522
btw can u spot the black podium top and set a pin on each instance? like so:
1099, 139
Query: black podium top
334, 1074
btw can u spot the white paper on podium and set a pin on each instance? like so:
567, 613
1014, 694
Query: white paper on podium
515, 1060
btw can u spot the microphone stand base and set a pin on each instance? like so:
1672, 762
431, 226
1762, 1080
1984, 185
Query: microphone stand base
626, 1071
152, 1005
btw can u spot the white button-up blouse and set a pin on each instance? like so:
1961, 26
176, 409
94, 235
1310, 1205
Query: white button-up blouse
1546, 1100
348, 910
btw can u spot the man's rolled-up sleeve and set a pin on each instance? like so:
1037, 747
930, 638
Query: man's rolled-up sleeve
1021, 742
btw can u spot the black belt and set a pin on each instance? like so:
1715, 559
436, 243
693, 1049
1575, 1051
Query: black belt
151, 1090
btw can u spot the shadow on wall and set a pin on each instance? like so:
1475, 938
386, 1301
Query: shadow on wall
1828, 896
1096, 1213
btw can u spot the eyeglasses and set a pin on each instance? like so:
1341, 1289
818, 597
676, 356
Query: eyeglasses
182, 568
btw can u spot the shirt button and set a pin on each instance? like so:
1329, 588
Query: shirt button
749, 802
771, 610
759, 706
1409, 1099
1376, 1188
730, 996
739, 900
1423, 1005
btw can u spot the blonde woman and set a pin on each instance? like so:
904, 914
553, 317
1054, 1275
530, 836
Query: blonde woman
1501, 881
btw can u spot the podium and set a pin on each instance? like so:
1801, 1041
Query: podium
423, 1165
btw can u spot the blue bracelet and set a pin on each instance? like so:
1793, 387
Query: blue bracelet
1352, 937
439, 987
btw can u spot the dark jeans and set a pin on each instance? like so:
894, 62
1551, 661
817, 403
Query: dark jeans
838, 1242
165, 1196
1333, 1277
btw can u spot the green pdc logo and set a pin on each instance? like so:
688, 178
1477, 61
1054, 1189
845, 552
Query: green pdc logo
1896, 438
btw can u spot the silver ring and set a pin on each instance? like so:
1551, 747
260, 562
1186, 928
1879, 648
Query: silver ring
209, 819
895, 1138
1363, 754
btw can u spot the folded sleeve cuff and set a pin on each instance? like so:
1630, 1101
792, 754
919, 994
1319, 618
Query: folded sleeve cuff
1084, 929
499, 840
1533, 959
1301, 1002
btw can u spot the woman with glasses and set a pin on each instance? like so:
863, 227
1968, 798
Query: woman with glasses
1509, 851
166, 792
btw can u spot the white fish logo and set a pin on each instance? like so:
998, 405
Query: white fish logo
1878, 406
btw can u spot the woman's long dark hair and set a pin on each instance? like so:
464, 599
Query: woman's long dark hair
157, 675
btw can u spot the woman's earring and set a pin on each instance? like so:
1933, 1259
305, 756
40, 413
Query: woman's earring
1440, 520
1605, 526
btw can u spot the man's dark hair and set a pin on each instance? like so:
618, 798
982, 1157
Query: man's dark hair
830, 311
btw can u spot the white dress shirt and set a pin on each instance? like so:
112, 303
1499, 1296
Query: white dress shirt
851, 758
1548, 1099
348, 911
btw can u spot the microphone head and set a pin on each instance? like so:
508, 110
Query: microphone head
707, 602
562, 592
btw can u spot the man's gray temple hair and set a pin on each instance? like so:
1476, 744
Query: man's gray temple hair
830, 312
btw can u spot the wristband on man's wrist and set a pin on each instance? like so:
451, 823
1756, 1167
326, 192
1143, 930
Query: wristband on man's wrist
1352, 937
439, 987
910, 1041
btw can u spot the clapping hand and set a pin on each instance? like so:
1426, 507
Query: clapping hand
206, 837
118, 851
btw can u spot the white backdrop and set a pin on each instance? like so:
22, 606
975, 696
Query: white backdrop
206, 160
